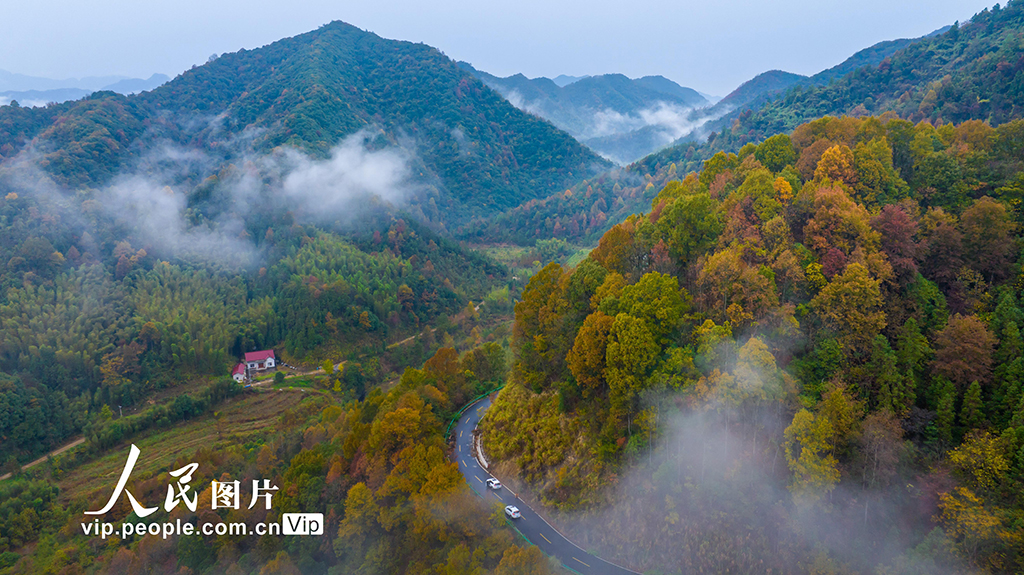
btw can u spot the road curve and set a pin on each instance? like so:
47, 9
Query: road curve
531, 525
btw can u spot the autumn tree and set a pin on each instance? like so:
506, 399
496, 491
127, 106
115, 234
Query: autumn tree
880, 444
896, 230
586, 359
987, 242
837, 165
631, 354
815, 470
963, 351
539, 337
850, 305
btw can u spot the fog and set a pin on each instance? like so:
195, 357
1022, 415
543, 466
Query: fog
179, 202
713, 494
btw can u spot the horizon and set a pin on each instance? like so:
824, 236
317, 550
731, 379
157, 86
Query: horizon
729, 47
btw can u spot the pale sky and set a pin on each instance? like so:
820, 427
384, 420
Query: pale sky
707, 45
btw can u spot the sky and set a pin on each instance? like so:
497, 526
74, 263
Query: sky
711, 46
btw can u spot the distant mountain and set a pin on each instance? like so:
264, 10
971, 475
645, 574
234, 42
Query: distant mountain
136, 85
765, 83
10, 81
34, 91
562, 80
621, 118
973, 71
472, 153
42, 97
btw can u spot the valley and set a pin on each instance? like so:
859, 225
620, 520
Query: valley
778, 332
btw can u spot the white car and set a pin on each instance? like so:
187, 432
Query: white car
513, 512
493, 483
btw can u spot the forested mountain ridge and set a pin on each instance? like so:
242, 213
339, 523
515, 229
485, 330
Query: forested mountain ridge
796, 361
970, 71
477, 152
619, 117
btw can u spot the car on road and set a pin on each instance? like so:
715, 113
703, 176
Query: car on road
493, 483
513, 512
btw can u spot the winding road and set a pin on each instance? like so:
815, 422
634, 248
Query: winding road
531, 525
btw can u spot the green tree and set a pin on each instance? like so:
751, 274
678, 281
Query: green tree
972, 414
946, 410
776, 153
631, 355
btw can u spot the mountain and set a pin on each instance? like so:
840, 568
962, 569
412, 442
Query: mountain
764, 83
762, 88
973, 71
621, 118
11, 81
36, 98
563, 80
471, 152
136, 85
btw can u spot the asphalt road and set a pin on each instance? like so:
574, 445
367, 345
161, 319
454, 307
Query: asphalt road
531, 524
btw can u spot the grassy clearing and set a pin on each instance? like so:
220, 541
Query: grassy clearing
235, 421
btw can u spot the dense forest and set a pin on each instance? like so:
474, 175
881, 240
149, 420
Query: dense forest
795, 361
973, 71
92, 314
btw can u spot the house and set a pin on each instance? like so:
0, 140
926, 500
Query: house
238, 374
260, 360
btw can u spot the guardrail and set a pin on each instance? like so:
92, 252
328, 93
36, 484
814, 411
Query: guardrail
447, 431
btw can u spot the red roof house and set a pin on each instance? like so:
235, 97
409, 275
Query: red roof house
260, 360
238, 374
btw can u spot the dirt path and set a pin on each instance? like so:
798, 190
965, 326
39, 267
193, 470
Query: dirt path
53, 453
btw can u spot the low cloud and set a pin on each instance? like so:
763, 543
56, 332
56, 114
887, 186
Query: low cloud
155, 200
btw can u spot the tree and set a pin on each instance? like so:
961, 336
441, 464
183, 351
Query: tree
540, 338
839, 222
880, 445
726, 279
912, 350
969, 521
776, 153
815, 471
586, 359
963, 351
943, 251
850, 305
972, 414
837, 165
328, 367
527, 560
876, 180
897, 230
631, 354
843, 412
658, 300
980, 461
987, 243
945, 410
692, 224
893, 390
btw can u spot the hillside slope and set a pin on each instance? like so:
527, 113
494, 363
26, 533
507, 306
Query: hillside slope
973, 71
